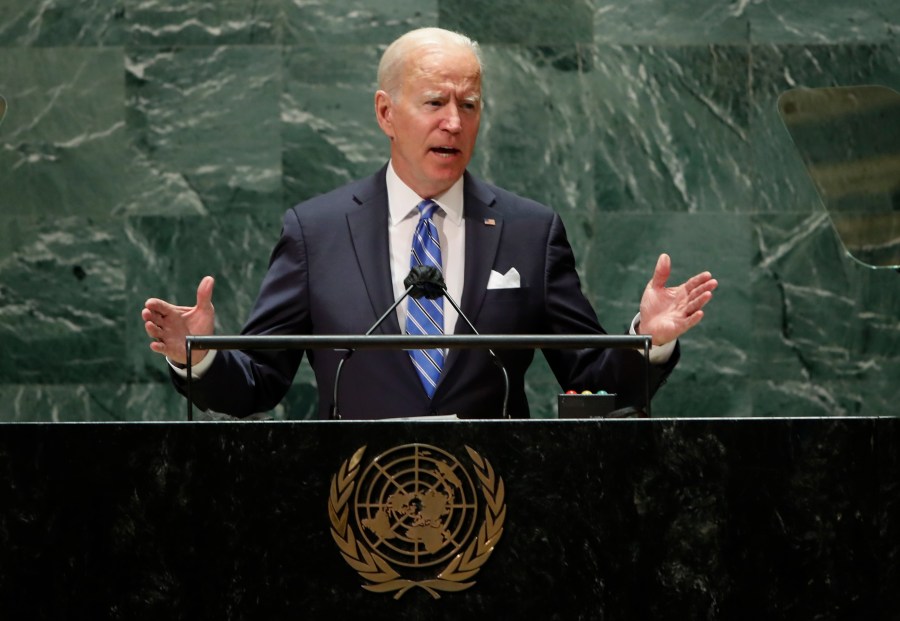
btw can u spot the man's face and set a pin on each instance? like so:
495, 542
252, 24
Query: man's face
433, 123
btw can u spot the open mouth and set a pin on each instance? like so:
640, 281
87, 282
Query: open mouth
445, 151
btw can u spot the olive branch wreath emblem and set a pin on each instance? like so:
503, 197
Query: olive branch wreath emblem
381, 576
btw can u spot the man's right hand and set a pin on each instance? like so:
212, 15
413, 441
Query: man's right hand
168, 325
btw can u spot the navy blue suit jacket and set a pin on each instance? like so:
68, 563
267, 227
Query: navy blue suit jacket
330, 274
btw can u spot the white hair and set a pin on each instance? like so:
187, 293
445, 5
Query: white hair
393, 61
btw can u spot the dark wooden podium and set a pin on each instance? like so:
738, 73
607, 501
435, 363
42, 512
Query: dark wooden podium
627, 519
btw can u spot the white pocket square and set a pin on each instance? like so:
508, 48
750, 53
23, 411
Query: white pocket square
509, 280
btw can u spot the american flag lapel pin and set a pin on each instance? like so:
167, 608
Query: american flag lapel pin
490, 222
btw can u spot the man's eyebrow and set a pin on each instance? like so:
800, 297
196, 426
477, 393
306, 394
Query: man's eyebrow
431, 95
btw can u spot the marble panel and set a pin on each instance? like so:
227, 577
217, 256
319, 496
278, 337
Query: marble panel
63, 135
823, 22
192, 22
149, 186
825, 327
562, 22
781, 182
537, 127
658, 22
206, 119
712, 378
63, 23
329, 129
798, 543
887, 488
672, 129
218, 116
62, 290
167, 258
90, 402
355, 22
733, 519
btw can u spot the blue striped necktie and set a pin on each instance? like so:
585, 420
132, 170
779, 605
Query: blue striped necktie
426, 316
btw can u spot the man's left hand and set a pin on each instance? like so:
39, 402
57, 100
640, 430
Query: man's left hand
669, 312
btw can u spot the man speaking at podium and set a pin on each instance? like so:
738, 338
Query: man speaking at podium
343, 256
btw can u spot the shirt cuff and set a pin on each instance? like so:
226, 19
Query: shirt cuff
659, 354
197, 370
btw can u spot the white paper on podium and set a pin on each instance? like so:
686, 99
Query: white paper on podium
442, 417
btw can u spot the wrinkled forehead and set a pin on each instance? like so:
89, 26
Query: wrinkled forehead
450, 65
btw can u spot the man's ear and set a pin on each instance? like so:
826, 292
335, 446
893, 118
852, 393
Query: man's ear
384, 108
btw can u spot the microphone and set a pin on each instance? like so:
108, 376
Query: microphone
428, 282
425, 281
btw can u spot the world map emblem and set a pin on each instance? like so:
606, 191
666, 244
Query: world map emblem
416, 517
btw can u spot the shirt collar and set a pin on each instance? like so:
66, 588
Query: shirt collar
402, 200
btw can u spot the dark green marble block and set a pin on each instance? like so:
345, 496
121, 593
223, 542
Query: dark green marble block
148, 144
778, 519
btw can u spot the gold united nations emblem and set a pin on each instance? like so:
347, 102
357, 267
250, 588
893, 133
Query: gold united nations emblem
414, 517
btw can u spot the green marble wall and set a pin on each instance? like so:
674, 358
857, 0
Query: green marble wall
150, 142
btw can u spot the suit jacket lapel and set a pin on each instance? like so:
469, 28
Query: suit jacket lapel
483, 228
369, 234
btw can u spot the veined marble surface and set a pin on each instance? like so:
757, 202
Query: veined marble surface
777, 519
148, 143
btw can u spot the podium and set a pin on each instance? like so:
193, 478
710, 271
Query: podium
602, 519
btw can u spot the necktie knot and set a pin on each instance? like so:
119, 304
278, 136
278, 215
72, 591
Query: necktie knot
427, 208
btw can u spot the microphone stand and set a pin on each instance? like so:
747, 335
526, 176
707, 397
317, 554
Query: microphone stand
494, 356
425, 282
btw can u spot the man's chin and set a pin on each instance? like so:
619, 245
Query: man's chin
435, 177
448, 168
446, 178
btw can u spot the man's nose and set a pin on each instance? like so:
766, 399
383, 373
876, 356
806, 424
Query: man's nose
451, 122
